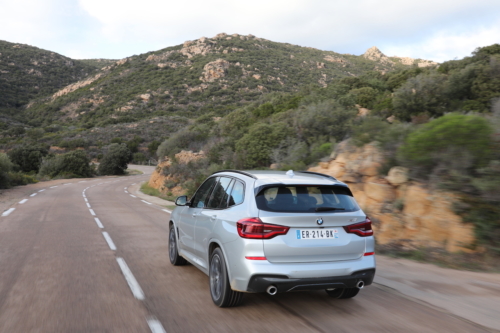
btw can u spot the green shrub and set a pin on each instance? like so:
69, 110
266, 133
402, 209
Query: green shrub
5, 167
115, 161
69, 165
28, 158
453, 142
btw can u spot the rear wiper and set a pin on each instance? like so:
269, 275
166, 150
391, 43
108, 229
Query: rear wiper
324, 209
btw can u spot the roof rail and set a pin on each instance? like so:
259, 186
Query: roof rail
319, 174
237, 171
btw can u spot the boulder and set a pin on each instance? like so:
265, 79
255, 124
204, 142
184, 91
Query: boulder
397, 176
380, 192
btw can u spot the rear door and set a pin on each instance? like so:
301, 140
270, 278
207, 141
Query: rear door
316, 216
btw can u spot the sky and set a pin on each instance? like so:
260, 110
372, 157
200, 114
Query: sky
437, 30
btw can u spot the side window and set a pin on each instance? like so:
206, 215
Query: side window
237, 194
219, 195
201, 197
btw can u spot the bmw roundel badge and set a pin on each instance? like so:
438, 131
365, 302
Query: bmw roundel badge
319, 221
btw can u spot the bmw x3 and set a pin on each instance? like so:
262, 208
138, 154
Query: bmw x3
273, 231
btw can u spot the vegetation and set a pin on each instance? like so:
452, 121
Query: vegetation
74, 164
115, 160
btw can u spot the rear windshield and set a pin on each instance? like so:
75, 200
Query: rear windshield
305, 199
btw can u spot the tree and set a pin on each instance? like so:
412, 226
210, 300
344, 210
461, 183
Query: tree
72, 164
115, 161
28, 158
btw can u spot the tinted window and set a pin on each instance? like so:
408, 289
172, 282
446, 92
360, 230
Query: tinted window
219, 194
303, 199
237, 194
201, 197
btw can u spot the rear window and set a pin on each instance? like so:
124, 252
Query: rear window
305, 199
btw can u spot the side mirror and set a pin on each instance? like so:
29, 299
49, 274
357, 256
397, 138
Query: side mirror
181, 201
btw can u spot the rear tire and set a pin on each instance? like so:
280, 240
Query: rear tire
342, 293
173, 253
220, 288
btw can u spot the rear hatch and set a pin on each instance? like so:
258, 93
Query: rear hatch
316, 216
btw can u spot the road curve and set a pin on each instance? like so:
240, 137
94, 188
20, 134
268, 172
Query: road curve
89, 256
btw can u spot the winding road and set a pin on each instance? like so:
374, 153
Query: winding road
91, 256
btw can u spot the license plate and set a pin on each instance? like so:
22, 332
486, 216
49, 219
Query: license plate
317, 234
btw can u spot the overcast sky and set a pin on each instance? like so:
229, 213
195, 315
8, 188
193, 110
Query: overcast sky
438, 30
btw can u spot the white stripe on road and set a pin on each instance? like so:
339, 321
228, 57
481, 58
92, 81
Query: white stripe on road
149, 203
166, 210
8, 211
86, 200
88, 205
41, 190
53, 187
99, 224
125, 191
109, 240
33, 195
133, 196
82, 181
155, 326
92, 211
132, 282
23, 201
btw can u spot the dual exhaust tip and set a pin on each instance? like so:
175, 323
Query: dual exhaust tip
272, 289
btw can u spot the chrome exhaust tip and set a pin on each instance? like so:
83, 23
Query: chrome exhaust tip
360, 285
272, 290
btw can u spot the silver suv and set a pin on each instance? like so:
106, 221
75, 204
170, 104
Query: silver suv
273, 231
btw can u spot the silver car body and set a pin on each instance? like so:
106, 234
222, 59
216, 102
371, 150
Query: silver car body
298, 263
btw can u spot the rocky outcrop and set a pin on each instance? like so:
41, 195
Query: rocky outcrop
75, 86
374, 54
160, 180
214, 70
404, 212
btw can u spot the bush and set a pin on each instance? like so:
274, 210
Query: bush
72, 164
5, 167
115, 161
453, 142
28, 158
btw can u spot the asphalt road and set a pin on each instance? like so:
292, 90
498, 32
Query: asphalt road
61, 272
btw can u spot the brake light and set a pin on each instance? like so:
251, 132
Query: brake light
363, 229
254, 228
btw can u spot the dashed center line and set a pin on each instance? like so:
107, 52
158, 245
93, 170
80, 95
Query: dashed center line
155, 326
133, 196
92, 212
88, 205
109, 240
23, 201
41, 190
8, 211
99, 224
149, 203
132, 282
33, 195
53, 187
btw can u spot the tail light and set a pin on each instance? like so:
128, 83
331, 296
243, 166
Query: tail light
253, 227
363, 229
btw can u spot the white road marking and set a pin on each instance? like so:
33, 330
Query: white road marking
86, 200
124, 188
23, 201
132, 282
166, 210
149, 203
82, 181
8, 211
84, 195
53, 187
67, 184
125, 191
155, 326
41, 190
92, 211
88, 205
99, 224
133, 184
133, 196
109, 240
33, 195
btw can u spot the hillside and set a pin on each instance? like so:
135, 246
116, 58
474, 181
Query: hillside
27, 73
214, 75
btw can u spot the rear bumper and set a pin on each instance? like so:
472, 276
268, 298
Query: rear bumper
259, 283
